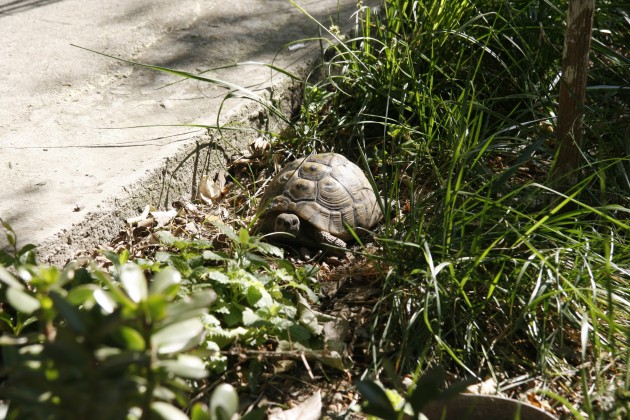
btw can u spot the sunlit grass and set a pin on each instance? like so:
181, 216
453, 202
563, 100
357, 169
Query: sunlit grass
491, 272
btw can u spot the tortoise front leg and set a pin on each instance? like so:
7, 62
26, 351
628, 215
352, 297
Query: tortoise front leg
327, 238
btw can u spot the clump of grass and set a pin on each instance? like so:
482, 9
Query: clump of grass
491, 272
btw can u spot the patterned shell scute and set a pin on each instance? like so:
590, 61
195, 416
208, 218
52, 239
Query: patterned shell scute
327, 190
301, 189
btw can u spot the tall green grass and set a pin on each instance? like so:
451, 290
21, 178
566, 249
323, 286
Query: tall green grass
489, 271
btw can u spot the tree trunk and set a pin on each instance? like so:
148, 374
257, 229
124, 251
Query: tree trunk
577, 45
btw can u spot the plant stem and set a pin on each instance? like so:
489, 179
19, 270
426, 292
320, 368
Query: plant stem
577, 45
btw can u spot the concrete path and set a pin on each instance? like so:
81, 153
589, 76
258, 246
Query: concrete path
66, 158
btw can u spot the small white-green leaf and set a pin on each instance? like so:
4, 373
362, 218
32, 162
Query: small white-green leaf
199, 411
308, 318
217, 276
167, 411
81, 294
178, 336
249, 317
104, 300
164, 280
9, 280
253, 294
227, 230
134, 282
7, 340
223, 402
190, 307
213, 256
186, 366
21, 301
166, 237
270, 249
131, 338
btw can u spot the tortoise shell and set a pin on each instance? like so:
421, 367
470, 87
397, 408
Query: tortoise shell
326, 190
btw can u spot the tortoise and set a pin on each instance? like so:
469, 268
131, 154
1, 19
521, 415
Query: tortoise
313, 199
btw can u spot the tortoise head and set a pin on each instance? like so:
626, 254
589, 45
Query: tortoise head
287, 222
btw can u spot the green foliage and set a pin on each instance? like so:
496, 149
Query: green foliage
24, 255
98, 344
84, 342
256, 301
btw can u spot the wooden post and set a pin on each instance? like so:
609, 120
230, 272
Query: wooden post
577, 45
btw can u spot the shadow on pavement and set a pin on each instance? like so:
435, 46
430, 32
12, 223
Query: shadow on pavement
16, 6
220, 37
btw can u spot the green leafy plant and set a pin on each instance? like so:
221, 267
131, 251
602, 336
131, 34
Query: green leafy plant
23, 255
111, 344
98, 344
256, 301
